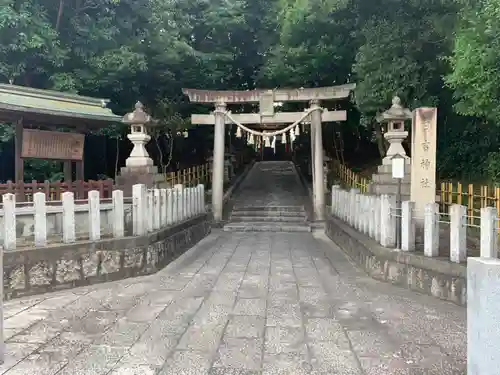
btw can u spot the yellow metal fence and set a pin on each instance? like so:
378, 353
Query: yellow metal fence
351, 179
474, 197
199, 174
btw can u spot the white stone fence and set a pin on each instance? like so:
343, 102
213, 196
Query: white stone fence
46, 222
377, 217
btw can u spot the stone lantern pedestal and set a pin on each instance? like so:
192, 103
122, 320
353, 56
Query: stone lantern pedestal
382, 181
139, 167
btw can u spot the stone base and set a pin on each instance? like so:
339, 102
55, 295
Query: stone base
147, 175
383, 183
151, 169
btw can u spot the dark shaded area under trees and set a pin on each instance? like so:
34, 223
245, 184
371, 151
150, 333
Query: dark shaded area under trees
431, 53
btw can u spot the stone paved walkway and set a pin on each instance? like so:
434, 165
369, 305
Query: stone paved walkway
239, 304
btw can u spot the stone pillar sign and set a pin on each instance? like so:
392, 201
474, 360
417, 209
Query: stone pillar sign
423, 168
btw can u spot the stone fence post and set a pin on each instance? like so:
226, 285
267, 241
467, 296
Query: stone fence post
156, 209
431, 230
489, 232
335, 200
201, 189
118, 215
9, 221
69, 225
408, 226
163, 208
367, 213
351, 219
40, 219
358, 215
94, 202
149, 210
376, 218
139, 214
483, 315
458, 233
180, 203
387, 221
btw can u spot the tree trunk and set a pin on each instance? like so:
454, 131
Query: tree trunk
380, 140
117, 155
59, 14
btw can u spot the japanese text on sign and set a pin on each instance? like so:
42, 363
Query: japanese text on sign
41, 144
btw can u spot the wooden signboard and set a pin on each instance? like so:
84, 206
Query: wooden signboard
41, 144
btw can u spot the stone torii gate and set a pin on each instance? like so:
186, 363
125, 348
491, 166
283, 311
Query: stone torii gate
315, 115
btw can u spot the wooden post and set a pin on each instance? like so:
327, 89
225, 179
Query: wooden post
68, 173
18, 160
470, 203
80, 170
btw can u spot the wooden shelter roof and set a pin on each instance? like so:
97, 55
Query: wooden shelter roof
45, 107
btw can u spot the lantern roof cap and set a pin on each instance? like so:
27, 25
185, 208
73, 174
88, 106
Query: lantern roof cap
396, 113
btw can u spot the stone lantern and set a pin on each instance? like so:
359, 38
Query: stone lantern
382, 181
395, 118
139, 167
139, 121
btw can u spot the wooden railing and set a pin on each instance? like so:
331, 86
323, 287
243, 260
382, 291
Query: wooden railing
24, 190
192, 176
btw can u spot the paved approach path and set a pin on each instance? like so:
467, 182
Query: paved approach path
264, 303
239, 304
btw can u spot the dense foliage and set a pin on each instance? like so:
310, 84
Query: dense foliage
442, 53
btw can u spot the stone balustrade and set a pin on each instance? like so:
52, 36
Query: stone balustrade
376, 216
42, 223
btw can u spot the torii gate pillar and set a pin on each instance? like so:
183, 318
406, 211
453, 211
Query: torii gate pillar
218, 162
317, 145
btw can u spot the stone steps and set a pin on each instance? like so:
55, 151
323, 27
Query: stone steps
277, 214
266, 227
267, 218
269, 208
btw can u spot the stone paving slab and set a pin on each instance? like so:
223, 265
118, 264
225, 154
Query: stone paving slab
239, 304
